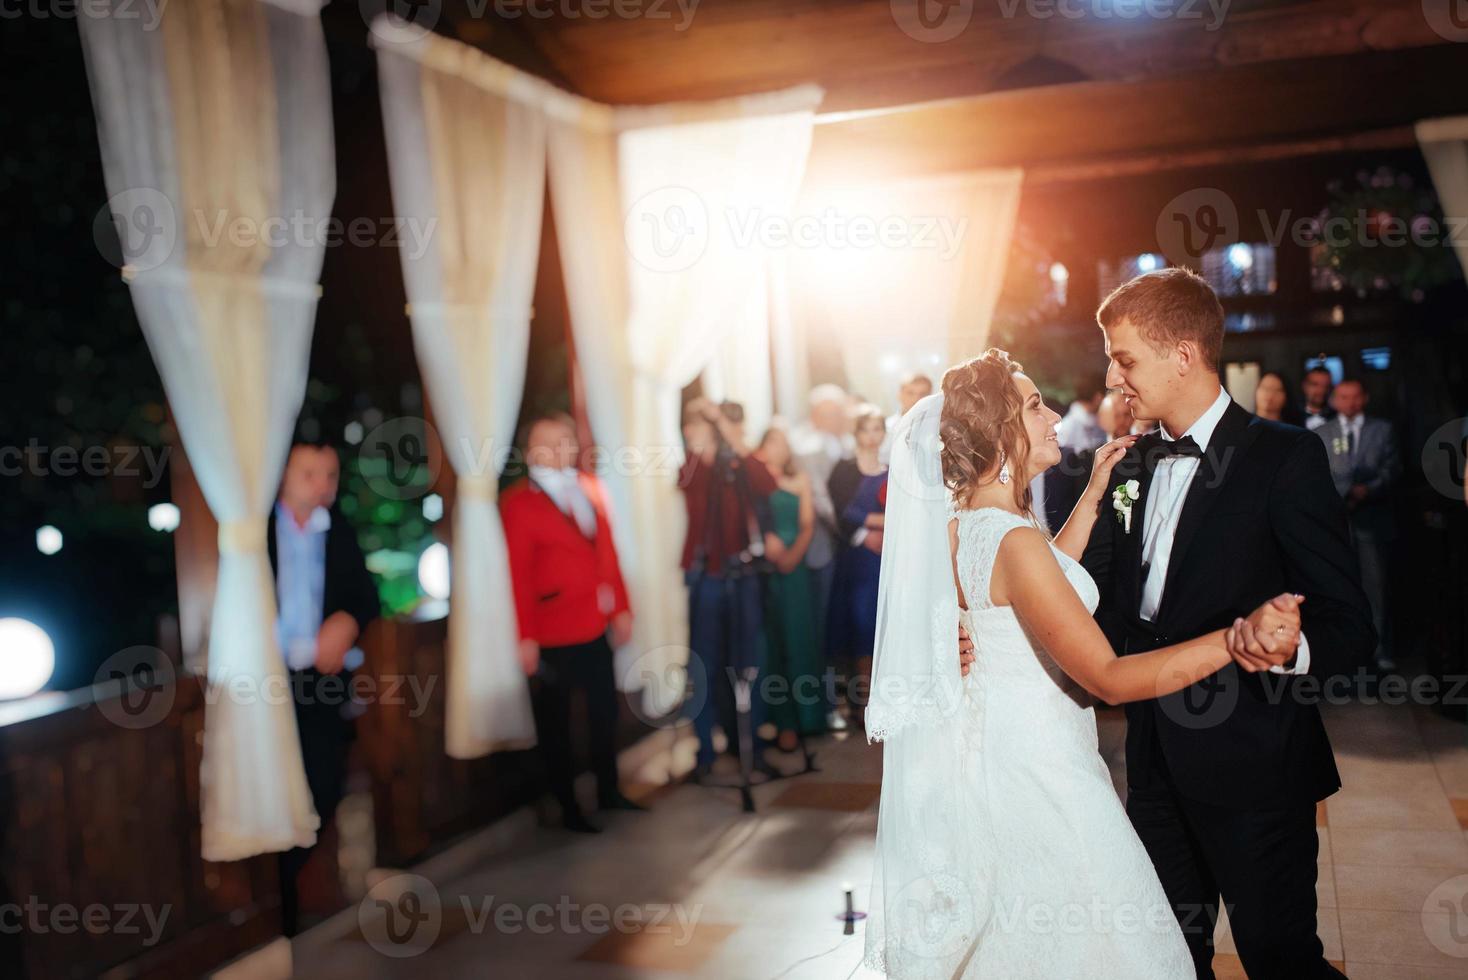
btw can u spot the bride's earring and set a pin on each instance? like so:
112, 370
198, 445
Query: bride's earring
1003, 468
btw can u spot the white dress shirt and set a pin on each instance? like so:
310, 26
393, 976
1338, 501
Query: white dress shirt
1079, 431
1168, 491
1351, 432
300, 583
564, 489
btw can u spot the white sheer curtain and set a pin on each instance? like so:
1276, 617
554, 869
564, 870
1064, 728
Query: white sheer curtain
216, 134
1444, 143
467, 159
660, 213
905, 273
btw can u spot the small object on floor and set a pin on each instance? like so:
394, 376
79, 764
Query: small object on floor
578, 824
789, 741
834, 721
620, 802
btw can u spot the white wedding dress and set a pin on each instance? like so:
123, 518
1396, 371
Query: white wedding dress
1061, 885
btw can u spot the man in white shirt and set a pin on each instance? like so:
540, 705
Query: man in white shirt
1365, 465
1316, 387
819, 443
1079, 430
913, 389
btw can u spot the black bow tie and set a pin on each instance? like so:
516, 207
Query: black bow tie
1167, 448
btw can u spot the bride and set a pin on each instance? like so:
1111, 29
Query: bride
1002, 848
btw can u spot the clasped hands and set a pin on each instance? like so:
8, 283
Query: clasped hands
1267, 638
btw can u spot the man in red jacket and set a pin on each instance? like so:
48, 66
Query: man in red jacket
568, 596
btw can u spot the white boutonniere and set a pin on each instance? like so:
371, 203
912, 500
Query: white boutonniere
1339, 445
1122, 499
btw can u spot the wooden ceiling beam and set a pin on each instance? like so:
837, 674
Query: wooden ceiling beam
1156, 118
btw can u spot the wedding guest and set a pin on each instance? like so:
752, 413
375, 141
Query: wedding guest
1079, 429
795, 655
1064, 484
571, 607
324, 597
1115, 417
819, 443
1365, 465
1315, 386
858, 490
723, 489
1272, 400
913, 389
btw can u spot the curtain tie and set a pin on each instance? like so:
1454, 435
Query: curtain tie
479, 486
243, 536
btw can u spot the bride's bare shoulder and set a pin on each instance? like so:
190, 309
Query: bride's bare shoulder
1024, 561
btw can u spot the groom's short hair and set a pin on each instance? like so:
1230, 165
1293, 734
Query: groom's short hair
1168, 306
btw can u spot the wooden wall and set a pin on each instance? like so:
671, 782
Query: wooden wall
99, 816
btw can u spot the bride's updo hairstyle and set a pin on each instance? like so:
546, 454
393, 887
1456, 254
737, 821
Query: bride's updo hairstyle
982, 423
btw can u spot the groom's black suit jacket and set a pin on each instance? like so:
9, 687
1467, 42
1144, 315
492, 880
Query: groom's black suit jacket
1261, 517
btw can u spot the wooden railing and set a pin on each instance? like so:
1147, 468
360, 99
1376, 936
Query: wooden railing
99, 815
99, 841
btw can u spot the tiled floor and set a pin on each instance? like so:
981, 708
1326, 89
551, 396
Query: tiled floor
698, 888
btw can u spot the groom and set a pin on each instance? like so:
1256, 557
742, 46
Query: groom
1223, 777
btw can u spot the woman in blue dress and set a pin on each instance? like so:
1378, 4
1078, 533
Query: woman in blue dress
858, 496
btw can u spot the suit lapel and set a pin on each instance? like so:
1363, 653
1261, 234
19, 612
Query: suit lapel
1131, 547
1230, 439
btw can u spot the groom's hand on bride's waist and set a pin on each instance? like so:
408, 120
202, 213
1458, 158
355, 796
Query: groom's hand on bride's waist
965, 651
1269, 637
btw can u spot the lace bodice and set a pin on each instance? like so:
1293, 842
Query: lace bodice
1004, 647
980, 532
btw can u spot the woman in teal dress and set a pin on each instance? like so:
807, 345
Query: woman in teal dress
794, 653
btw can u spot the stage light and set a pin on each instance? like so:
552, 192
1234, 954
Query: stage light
1059, 273
433, 571
1240, 256
432, 507
29, 659
353, 433
163, 517
48, 539
1148, 262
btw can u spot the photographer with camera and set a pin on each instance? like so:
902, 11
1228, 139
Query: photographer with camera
726, 493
